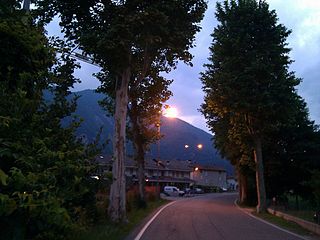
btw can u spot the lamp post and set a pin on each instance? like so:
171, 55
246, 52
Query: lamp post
195, 170
169, 112
199, 147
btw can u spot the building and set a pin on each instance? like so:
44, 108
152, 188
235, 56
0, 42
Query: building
157, 172
179, 173
209, 176
162, 173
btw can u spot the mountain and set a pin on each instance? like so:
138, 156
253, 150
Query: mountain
176, 134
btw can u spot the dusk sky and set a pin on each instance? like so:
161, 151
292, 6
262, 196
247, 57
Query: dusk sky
302, 17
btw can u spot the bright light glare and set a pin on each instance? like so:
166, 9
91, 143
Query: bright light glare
186, 146
199, 146
170, 112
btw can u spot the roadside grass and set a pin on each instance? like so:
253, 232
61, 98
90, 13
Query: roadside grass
303, 214
106, 230
283, 223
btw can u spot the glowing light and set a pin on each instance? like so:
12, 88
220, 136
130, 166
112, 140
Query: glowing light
196, 169
170, 112
186, 146
199, 146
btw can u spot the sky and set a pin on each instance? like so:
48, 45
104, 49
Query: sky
302, 17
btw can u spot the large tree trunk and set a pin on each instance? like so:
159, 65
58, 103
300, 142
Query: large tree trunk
139, 153
141, 176
138, 145
261, 191
117, 204
243, 187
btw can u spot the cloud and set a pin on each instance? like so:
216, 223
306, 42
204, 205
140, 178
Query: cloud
303, 17
309, 90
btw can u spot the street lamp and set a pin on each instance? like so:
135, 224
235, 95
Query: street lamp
193, 152
169, 112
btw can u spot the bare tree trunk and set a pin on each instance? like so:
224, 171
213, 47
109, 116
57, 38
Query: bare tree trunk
141, 177
138, 144
261, 191
243, 188
117, 204
139, 155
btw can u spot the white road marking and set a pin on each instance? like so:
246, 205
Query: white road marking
275, 226
151, 220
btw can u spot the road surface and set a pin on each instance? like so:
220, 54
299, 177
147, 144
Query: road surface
210, 216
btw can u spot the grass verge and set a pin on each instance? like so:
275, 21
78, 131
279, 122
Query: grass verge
283, 223
111, 231
303, 214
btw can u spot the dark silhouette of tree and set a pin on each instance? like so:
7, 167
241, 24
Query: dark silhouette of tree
125, 38
248, 77
44, 169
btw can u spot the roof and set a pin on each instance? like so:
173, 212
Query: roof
173, 165
209, 168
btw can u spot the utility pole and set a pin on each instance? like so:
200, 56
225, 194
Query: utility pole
26, 5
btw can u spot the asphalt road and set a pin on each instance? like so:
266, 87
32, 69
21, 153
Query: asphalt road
212, 216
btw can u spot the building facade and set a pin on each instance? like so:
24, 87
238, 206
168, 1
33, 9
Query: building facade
209, 176
178, 173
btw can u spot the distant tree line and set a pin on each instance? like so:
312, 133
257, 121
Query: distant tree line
260, 122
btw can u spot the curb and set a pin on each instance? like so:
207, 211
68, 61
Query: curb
312, 227
268, 223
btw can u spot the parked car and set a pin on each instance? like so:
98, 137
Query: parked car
223, 189
198, 190
187, 190
173, 191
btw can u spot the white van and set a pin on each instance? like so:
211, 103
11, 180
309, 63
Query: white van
173, 191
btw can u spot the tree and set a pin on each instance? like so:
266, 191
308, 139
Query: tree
248, 76
44, 170
233, 144
290, 153
126, 37
146, 102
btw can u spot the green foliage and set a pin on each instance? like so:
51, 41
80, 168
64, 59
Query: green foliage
314, 184
291, 154
251, 93
128, 39
248, 75
45, 187
118, 33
